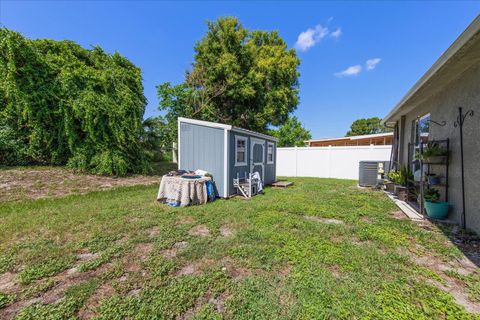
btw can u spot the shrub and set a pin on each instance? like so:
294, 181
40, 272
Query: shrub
63, 104
405, 175
394, 176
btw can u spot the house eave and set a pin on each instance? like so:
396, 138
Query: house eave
467, 35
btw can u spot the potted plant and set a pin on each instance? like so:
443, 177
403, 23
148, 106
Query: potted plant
434, 207
404, 175
433, 179
434, 153
390, 182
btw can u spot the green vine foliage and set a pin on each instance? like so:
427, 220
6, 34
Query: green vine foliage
63, 104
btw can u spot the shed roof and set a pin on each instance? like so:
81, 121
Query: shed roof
226, 127
451, 64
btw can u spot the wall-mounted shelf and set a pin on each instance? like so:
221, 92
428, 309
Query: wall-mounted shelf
445, 163
425, 167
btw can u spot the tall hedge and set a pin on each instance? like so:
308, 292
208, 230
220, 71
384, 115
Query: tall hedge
63, 104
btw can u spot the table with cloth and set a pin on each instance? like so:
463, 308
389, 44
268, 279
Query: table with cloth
183, 191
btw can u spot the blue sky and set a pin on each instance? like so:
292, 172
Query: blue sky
337, 85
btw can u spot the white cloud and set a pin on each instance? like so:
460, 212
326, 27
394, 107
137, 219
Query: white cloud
337, 33
311, 37
350, 71
356, 69
372, 63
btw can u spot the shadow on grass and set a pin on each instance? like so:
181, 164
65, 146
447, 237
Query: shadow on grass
467, 241
162, 167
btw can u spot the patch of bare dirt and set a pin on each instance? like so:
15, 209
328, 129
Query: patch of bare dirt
7, 281
134, 293
285, 271
400, 215
337, 238
365, 219
153, 232
86, 256
169, 253
335, 270
88, 311
20, 184
63, 281
226, 232
185, 220
458, 293
218, 303
200, 231
72, 276
180, 245
286, 297
462, 266
356, 240
323, 220
234, 271
141, 252
467, 266
196, 267
173, 251
188, 269
468, 244
131, 265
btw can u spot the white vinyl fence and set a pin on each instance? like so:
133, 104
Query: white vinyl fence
327, 162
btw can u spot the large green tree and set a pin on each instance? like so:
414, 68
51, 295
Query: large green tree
291, 133
247, 78
367, 126
63, 104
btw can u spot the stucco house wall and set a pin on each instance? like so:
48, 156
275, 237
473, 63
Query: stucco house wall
465, 93
453, 81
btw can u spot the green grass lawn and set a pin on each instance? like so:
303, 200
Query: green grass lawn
321, 249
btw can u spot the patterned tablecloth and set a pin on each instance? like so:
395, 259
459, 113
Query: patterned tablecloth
183, 191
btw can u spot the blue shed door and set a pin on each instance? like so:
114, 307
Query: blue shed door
257, 157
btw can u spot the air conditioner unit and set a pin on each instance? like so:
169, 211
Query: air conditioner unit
371, 172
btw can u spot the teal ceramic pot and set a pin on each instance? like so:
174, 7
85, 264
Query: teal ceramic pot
437, 210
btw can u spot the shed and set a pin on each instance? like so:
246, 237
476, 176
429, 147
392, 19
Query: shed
226, 152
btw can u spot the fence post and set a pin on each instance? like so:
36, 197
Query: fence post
329, 161
174, 152
296, 161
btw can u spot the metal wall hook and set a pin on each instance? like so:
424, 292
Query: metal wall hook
441, 124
